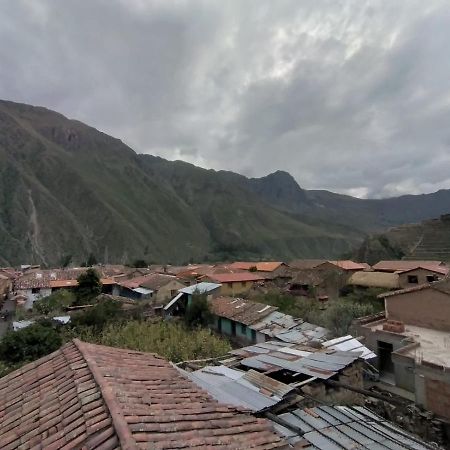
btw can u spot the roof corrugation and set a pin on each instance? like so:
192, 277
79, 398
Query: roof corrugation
251, 390
336, 427
200, 288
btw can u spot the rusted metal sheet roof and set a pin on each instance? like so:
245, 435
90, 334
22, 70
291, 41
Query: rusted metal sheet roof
98, 397
240, 310
318, 363
250, 390
268, 384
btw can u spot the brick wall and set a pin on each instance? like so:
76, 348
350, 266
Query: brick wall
426, 308
438, 397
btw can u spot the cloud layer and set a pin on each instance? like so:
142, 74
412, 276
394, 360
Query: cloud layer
351, 96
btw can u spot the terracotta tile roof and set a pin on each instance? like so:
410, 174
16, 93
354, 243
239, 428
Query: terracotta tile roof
394, 266
156, 281
349, 265
264, 266
443, 270
306, 263
234, 277
49, 278
240, 310
97, 397
441, 285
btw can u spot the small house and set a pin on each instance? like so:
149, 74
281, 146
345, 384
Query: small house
177, 306
233, 284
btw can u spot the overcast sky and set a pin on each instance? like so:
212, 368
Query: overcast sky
350, 96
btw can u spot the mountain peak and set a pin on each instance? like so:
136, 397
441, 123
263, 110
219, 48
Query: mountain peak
281, 178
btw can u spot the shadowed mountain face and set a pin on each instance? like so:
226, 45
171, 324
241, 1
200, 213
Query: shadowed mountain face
68, 190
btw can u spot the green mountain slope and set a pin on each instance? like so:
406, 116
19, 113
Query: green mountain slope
282, 191
67, 189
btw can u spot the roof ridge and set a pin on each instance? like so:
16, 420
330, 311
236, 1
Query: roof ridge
123, 431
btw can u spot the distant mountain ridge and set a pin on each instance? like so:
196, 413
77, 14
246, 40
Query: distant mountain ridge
68, 190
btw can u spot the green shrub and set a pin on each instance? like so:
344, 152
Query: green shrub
56, 302
99, 315
89, 287
197, 312
170, 340
29, 343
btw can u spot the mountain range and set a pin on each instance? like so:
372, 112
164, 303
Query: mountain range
68, 190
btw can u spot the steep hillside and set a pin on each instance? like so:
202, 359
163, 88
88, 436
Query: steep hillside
429, 240
282, 191
68, 190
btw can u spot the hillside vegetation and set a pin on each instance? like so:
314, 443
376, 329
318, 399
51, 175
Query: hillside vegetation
68, 191
429, 240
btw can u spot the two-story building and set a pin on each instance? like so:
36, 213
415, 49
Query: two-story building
411, 340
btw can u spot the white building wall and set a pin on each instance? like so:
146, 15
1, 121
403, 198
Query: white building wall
32, 297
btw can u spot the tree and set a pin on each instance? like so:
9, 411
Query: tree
91, 261
29, 343
139, 263
198, 312
66, 260
99, 315
55, 302
89, 287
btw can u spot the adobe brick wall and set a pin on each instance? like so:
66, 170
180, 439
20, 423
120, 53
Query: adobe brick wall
421, 275
427, 308
351, 375
438, 397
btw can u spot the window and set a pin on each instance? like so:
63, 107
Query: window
412, 279
431, 278
243, 284
243, 329
35, 290
230, 284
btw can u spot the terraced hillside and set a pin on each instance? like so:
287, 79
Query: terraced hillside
429, 240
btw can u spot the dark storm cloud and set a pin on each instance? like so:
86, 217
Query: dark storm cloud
352, 96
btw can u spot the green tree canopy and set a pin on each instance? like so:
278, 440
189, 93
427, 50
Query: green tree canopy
89, 287
55, 302
139, 263
29, 343
198, 312
99, 315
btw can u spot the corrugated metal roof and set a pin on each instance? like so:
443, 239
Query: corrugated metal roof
260, 380
201, 288
22, 324
240, 310
173, 301
350, 344
313, 362
143, 291
289, 329
251, 390
337, 427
